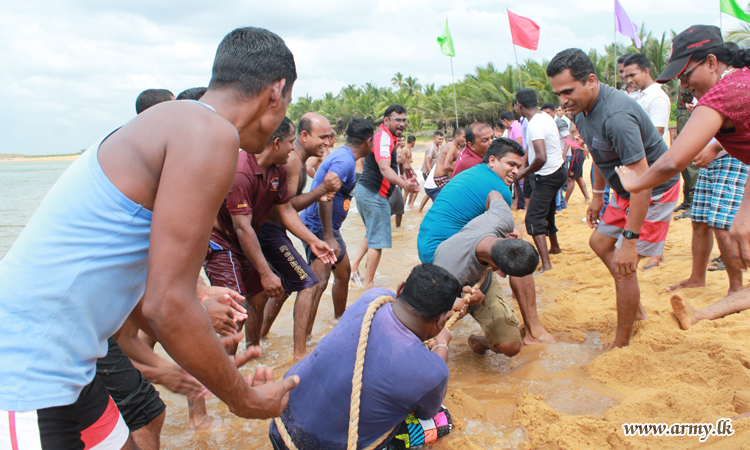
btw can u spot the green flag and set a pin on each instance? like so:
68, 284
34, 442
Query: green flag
729, 7
446, 41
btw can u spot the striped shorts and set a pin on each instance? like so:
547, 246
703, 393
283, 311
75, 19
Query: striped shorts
718, 192
655, 227
93, 422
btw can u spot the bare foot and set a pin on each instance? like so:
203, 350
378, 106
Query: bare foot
652, 263
689, 283
356, 279
538, 338
555, 251
478, 344
369, 286
198, 418
742, 416
543, 269
684, 312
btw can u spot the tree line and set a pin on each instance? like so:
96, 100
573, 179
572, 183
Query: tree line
480, 96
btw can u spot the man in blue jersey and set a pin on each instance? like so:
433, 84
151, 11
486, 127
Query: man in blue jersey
113, 231
324, 219
466, 197
470, 188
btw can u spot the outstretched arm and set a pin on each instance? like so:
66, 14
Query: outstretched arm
293, 223
178, 243
703, 124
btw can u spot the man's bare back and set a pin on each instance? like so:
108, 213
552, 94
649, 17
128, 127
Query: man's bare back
446, 160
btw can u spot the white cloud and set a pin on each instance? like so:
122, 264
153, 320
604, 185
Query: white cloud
72, 69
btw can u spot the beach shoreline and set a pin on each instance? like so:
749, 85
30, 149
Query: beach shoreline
15, 157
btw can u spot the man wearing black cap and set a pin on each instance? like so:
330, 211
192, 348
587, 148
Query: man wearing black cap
618, 132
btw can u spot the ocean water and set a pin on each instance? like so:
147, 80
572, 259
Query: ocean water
23, 186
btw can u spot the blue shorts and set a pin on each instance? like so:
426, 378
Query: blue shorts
718, 192
340, 240
376, 214
284, 260
432, 193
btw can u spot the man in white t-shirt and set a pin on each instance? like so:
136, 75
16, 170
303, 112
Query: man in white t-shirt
655, 102
547, 169
651, 96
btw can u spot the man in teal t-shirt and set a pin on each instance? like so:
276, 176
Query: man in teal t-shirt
465, 196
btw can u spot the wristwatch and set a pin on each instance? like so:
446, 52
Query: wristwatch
627, 234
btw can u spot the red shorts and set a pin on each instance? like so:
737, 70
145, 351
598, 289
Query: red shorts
91, 423
654, 231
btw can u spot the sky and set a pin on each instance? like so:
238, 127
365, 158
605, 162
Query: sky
71, 70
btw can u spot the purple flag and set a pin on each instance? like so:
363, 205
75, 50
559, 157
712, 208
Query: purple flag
624, 25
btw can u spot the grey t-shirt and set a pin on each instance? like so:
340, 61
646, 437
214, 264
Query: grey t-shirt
458, 255
619, 132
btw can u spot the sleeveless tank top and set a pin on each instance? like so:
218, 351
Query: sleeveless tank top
69, 281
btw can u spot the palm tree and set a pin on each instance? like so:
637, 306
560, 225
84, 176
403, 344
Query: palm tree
412, 86
740, 36
398, 80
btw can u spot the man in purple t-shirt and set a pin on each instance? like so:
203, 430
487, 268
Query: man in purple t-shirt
400, 376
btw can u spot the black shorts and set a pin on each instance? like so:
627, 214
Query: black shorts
284, 259
135, 396
540, 211
576, 164
92, 421
396, 200
336, 235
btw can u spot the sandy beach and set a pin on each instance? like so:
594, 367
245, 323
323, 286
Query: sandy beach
569, 395
15, 157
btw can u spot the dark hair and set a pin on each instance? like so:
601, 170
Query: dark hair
527, 98
358, 131
411, 139
459, 130
548, 106
472, 128
283, 131
251, 59
639, 59
621, 59
430, 291
500, 124
151, 97
501, 147
192, 94
304, 124
729, 53
573, 59
507, 115
398, 109
515, 257
438, 133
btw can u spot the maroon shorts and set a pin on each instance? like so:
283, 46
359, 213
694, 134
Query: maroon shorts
226, 268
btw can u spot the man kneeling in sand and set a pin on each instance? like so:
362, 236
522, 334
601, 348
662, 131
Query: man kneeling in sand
403, 383
489, 242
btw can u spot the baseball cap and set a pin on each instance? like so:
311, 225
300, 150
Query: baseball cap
695, 38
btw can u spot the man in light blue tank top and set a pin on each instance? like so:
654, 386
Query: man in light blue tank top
130, 220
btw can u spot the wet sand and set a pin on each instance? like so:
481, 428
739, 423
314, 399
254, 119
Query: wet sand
568, 395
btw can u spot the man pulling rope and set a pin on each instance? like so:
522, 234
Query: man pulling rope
394, 400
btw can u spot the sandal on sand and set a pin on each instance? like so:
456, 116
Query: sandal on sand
717, 265
650, 266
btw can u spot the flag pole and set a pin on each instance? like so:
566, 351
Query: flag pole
614, 49
518, 68
455, 104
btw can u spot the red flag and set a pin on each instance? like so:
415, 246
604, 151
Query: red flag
525, 31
